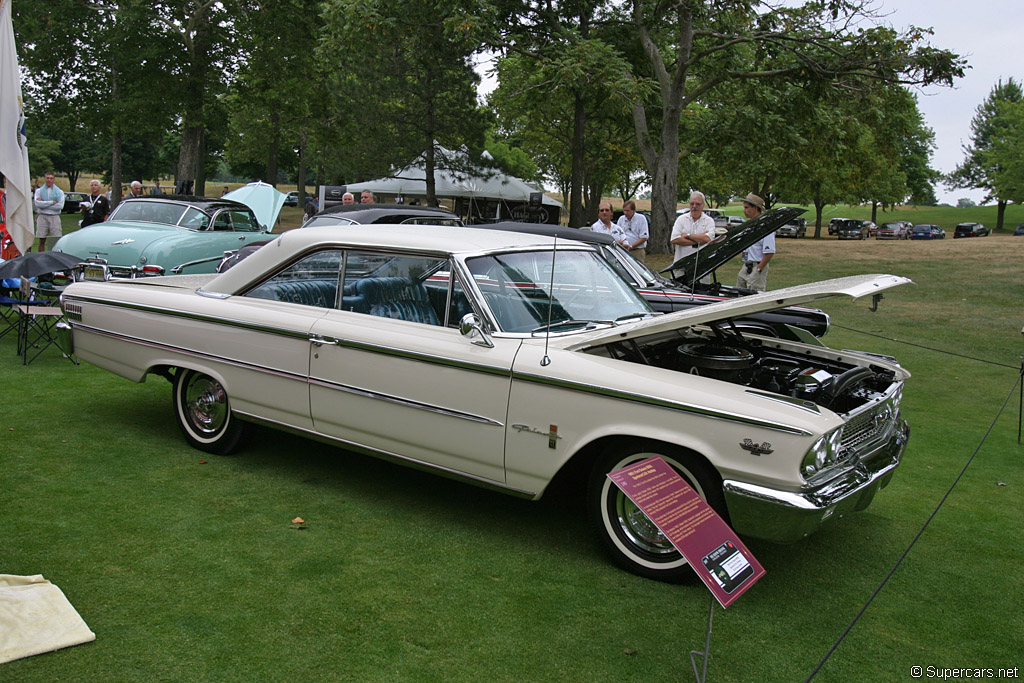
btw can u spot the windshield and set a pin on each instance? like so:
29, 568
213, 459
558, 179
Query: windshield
525, 296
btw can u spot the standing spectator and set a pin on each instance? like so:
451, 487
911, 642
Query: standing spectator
156, 189
348, 198
96, 208
634, 230
366, 197
754, 271
224, 191
48, 201
135, 190
312, 207
693, 229
604, 221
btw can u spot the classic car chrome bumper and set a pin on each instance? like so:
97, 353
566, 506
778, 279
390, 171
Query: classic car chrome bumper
785, 516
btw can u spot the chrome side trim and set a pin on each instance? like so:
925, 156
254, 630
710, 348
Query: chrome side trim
366, 393
393, 457
189, 352
187, 315
809, 406
659, 403
291, 375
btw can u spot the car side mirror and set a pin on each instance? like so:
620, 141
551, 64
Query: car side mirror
469, 326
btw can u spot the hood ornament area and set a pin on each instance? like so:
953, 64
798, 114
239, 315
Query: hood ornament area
763, 448
126, 240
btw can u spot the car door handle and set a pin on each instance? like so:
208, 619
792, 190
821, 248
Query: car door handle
317, 340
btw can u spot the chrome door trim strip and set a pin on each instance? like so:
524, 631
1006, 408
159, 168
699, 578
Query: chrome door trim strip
376, 395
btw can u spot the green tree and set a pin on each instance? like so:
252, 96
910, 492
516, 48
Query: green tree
976, 170
1006, 153
681, 54
413, 61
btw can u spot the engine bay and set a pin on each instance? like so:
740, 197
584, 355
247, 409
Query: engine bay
724, 353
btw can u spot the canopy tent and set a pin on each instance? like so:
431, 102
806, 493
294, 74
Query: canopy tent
483, 196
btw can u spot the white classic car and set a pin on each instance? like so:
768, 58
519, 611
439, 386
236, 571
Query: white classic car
501, 359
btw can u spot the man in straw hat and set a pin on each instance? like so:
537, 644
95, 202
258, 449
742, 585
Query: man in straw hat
754, 271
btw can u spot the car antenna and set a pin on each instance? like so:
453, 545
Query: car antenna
545, 361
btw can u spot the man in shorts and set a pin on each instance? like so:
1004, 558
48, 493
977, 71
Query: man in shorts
48, 201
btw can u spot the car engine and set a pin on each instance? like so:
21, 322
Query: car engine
725, 354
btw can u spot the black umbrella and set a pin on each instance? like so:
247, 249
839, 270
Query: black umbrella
37, 263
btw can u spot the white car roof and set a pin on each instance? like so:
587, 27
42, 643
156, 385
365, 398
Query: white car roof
425, 238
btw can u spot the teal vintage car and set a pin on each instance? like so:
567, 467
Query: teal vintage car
166, 234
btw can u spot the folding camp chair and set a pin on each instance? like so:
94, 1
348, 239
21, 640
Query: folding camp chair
37, 322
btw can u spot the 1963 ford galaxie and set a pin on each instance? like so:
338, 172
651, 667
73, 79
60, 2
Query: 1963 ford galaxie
499, 358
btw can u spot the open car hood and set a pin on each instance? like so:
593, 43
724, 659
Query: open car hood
694, 266
854, 286
264, 200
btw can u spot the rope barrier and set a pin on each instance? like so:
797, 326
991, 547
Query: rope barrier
1020, 379
927, 348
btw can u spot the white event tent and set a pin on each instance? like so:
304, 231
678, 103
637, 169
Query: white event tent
482, 196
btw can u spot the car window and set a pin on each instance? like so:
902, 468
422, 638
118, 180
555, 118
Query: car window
396, 286
243, 221
311, 281
524, 294
327, 220
194, 219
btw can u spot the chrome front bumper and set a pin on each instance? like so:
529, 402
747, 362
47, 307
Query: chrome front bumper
785, 516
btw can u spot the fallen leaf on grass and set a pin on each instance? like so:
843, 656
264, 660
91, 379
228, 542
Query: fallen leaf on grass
628, 651
298, 523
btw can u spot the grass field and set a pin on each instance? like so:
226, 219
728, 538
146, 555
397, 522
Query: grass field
188, 566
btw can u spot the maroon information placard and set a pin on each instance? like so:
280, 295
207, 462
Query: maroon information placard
710, 545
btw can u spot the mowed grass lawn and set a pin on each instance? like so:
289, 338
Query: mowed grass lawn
188, 566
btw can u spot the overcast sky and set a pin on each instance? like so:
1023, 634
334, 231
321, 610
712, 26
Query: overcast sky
988, 34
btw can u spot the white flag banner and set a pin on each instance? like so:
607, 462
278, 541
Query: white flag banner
13, 152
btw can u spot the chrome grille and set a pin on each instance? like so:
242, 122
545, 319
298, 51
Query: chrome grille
869, 427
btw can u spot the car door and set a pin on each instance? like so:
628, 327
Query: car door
390, 372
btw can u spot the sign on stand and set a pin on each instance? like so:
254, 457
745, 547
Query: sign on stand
711, 547
693, 527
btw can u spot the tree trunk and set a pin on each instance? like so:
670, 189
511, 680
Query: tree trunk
188, 159
874, 212
201, 165
115, 168
819, 207
1000, 213
275, 146
577, 217
300, 181
429, 164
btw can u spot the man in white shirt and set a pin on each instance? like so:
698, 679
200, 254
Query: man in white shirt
633, 230
48, 202
604, 221
693, 229
754, 271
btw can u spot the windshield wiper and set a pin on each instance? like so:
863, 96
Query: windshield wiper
570, 324
630, 316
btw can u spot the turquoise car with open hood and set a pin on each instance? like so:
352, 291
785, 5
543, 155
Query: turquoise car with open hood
168, 234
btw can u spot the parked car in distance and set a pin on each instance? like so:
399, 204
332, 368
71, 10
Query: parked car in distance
927, 231
292, 198
833, 225
854, 229
73, 202
503, 359
795, 228
165, 234
1019, 231
970, 230
894, 230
